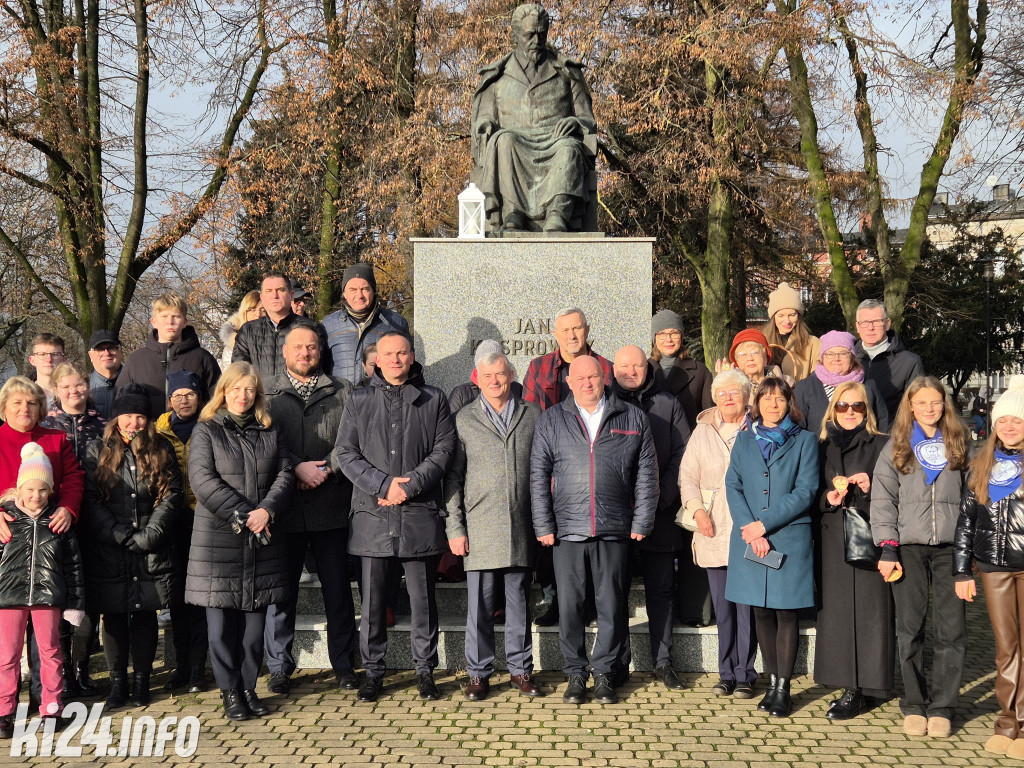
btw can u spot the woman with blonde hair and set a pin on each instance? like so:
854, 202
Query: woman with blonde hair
990, 534
915, 503
248, 309
787, 332
242, 480
854, 648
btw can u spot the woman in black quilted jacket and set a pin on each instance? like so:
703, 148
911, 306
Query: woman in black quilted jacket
242, 481
990, 533
132, 499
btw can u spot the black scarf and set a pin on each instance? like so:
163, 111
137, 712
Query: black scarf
182, 428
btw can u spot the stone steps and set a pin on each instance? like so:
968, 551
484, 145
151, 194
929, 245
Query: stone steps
693, 649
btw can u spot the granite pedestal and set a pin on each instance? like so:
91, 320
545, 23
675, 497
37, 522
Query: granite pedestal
510, 289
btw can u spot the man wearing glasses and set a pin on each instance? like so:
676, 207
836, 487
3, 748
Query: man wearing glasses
107, 358
47, 354
881, 353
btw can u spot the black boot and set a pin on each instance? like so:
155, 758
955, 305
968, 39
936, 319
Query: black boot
140, 693
765, 704
782, 705
70, 689
235, 707
85, 684
118, 696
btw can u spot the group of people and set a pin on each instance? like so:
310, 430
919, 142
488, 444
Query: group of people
203, 491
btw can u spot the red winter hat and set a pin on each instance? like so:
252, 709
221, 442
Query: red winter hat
750, 334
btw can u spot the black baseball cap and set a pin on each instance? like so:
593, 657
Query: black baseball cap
101, 338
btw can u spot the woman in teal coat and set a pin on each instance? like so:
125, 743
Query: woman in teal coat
771, 483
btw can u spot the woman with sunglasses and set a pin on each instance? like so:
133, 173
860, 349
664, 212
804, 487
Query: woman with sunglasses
836, 365
855, 648
915, 504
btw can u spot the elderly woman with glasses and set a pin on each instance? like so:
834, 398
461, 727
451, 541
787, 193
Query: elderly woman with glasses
837, 365
701, 484
751, 354
855, 647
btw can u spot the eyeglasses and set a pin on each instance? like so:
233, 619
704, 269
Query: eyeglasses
869, 323
835, 355
49, 355
668, 335
184, 398
860, 408
728, 393
751, 353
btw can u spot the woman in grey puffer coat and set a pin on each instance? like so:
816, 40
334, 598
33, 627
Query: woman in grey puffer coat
242, 479
915, 501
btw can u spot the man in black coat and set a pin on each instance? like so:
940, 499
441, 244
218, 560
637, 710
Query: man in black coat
260, 341
635, 383
396, 441
881, 353
306, 406
593, 486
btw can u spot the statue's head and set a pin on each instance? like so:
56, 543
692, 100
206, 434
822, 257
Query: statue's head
530, 28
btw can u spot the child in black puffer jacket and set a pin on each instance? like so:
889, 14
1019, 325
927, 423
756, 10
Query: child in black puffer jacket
40, 576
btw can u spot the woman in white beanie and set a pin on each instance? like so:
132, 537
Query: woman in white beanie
786, 331
990, 532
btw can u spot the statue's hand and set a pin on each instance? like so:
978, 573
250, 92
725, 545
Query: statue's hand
568, 126
486, 127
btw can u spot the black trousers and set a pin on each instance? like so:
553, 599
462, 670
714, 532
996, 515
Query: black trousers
373, 634
329, 553
188, 625
607, 562
929, 569
236, 646
130, 634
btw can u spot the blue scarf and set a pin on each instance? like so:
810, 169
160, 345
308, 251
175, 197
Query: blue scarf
930, 451
770, 439
1006, 476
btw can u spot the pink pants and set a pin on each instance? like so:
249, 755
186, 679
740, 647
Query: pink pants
46, 624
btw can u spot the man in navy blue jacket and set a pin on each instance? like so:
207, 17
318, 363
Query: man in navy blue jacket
594, 487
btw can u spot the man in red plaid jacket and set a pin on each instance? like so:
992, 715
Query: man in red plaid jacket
544, 383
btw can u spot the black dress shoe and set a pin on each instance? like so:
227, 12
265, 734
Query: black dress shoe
179, 679
576, 691
256, 706
724, 688
782, 704
550, 617
743, 691
847, 706
71, 689
85, 683
669, 678
6, 726
279, 683
765, 703
370, 689
197, 680
347, 680
235, 707
604, 691
478, 688
427, 686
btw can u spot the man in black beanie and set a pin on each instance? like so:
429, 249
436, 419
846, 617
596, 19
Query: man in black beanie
361, 321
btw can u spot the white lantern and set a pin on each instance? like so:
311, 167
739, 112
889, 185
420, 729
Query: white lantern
471, 212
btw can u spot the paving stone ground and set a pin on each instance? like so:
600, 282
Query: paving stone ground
651, 727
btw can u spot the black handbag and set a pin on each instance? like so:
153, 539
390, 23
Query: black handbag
861, 551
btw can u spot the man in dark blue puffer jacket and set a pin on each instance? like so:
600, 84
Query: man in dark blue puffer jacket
594, 486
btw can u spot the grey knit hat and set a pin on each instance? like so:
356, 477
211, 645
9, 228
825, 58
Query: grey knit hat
361, 270
665, 320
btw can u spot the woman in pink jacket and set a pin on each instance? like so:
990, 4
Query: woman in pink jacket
701, 485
